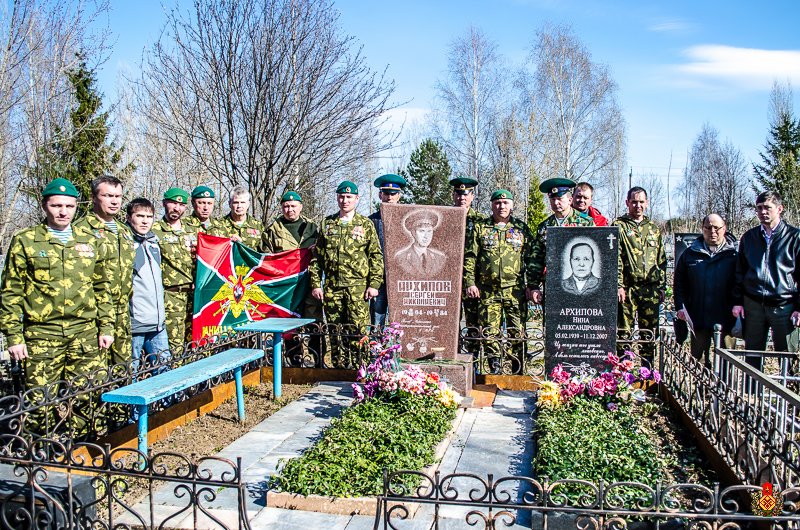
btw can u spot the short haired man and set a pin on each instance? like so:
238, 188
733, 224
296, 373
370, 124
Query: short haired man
419, 258
495, 272
202, 219
766, 293
642, 268
289, 231
102, 222
238, 224
582, 201
348, 256
148, 316
559, 191
56, 309
390, 188
705, 276
178, 242
582, 281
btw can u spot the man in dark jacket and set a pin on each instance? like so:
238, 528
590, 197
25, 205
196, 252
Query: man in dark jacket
703, 284
766, 293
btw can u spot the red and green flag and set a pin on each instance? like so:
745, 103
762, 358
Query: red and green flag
235, 284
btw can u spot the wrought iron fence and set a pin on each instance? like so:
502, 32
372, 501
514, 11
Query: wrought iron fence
443, 499
750, 418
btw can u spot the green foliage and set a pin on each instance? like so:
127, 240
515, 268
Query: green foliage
82, 151
780, 162
585, 441
428, 175
536, 212
349, 459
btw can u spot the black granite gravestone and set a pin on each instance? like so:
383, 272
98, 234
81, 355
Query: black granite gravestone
683, 240
580, 304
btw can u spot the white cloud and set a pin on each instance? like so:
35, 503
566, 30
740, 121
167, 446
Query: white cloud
713, 65
672, 26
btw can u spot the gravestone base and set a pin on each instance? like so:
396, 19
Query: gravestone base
459, 373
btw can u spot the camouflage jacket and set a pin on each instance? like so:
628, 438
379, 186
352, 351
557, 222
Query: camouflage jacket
497, 256
539, 254
177, 253
121, 251
473, 217
249, 231
348, 254
193, 223
642, 259
54, 290
277, 238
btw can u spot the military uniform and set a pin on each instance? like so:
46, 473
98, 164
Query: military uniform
348, 254
539, 252
472, 306
496, 260
212, 226
177, 272
121, 251
643, 273
56, 299
249, 231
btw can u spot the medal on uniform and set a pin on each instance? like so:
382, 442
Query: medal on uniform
358, 232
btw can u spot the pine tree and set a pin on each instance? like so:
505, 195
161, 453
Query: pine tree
536, 209
780, 161
428, 175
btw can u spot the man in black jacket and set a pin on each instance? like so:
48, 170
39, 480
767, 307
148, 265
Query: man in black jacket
703, 284
765, 293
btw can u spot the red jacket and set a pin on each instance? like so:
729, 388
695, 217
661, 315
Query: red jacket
598, 218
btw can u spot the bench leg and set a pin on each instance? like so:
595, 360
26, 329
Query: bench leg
277, 364
142, 409
237, 376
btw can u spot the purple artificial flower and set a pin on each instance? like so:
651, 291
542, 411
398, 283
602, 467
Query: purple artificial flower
629, 378
613, 407
644, 372
358, 393
656, 376
362, 373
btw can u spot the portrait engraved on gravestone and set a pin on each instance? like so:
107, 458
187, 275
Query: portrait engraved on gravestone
683, 240
580, 303
424, 256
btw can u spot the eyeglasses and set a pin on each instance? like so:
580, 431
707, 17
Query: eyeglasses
714, 228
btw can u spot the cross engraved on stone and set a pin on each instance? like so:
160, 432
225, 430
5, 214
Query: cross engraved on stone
611, 239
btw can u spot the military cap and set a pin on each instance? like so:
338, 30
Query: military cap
502, 194
463, 185
390, 183
202, 192
177, 195
558, 186
421, 217
60, 186
291, 196
347, 187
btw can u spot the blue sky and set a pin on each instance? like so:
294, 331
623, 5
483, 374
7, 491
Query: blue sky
678, 64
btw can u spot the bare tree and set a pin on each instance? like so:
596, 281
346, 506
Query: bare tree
575, 101
469, 99
269, 93
656, 195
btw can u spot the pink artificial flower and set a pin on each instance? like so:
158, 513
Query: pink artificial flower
358, 393
559, 375
597, 387
362, 373
571, 389
612, 359
656, 376
627, 365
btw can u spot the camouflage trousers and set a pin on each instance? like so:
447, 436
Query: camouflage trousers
641, 305
120, 351
54, 359
504, 308
178, 309
472, 320
346, 306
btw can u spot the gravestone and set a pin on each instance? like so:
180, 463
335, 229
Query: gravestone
580, 304
683, 240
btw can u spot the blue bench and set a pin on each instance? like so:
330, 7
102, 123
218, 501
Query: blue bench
141, 393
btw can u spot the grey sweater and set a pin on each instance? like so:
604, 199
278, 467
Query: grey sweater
147, 302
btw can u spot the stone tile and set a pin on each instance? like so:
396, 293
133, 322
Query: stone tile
272, 518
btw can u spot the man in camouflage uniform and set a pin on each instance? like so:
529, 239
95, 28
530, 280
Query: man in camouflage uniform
391, 189
201, 219
178, 243
290, 231
238, 224
642, 268
56, 308
102, 223
349, 256
559, 190
495, 272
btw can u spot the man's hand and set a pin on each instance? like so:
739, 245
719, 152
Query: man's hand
105, 341
796, 319
370, 293
536, 296
18, 352
473, 292
236, 238
738, 311
621, 295
682, 314
317, 293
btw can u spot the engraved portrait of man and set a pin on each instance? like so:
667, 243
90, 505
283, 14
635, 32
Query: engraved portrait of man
582, 281
419, 258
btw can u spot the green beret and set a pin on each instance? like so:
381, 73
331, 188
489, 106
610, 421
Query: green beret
202, 192
347, 187
501, 194
177, 195
463, 185
291, 196
60, 186
390, 183
558, 186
